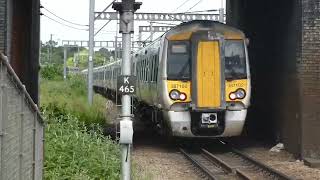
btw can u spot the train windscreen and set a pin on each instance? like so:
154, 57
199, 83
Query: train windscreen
235, 60
179, 61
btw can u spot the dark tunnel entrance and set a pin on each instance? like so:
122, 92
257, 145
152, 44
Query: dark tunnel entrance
281, 110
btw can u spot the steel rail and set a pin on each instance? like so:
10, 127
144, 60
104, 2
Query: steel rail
275, 173
226, 166
199, 165
240, 171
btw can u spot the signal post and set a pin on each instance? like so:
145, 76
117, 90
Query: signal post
126, 87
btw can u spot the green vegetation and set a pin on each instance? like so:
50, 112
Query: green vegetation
75, 147
71, 96
51, 53
74, 152
52, 72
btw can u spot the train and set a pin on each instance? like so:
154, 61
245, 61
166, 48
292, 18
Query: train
193, 81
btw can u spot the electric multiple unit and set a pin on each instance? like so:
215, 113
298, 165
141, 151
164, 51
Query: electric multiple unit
193, 81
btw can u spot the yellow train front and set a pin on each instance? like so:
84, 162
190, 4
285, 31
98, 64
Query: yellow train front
193, 81
196, 80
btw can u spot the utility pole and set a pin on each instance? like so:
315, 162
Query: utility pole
140, 39
221, 13
65, 62
48, 54
126, 10
50, 49
91, 51
151, 32
116, 48
78, 57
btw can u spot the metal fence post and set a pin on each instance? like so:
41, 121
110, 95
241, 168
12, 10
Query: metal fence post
21, 132
34, 145
3, 117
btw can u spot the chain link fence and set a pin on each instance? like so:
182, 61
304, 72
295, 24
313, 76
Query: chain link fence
21, 129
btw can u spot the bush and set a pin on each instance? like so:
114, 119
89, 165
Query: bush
51, 72
78, 84
70, 96
74, 152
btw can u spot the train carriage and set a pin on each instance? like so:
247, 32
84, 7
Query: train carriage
194, 80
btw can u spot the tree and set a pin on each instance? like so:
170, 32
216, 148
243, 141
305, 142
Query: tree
56, 54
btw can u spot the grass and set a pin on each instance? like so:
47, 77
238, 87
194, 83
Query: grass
71, 96
75, 147
72, 151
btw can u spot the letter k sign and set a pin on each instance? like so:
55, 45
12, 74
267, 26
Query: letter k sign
126, 80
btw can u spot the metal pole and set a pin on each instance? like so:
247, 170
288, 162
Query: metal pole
116, 49
140, 39
221, 13
126, 102
78, 57
65, 62
126, 10
48, 54
51, 49
91, 52
151, 32
74, 59
116, 41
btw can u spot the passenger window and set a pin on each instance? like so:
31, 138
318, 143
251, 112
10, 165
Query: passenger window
156, 69
151, 71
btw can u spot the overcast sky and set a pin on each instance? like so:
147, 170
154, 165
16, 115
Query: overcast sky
77, 11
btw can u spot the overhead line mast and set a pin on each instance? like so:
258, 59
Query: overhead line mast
126, 10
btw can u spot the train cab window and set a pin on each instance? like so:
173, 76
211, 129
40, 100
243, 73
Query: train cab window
178, 66
235, 60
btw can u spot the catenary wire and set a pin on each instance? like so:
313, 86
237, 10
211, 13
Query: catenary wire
181, 5
63, 18
64, 24
194, 5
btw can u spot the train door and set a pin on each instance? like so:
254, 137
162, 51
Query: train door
208, 74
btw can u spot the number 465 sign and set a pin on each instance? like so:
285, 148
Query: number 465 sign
126, 85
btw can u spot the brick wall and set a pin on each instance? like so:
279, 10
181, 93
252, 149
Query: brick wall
285, 54
3, 25
309, 75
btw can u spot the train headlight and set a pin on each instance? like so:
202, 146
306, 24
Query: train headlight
232, 96
183, 97
174, 94
240, 93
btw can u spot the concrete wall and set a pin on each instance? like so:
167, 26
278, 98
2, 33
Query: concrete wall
284, 56
21, 129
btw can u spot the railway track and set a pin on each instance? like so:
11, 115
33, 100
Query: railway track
228, 163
